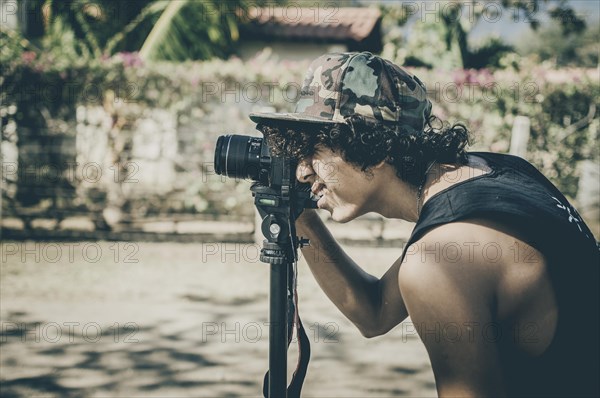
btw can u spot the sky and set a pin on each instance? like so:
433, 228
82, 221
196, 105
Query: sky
504, 26
511, 31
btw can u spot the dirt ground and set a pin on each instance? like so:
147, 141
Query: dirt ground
117, 319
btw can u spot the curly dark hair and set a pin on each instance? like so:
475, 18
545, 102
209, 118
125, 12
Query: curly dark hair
366, 144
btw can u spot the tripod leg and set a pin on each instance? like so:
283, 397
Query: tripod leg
278, 332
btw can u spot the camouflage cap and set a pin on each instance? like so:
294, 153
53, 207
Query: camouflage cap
340, 85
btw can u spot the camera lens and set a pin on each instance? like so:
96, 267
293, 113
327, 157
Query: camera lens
240, 156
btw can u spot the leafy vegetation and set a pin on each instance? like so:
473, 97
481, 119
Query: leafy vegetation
159, 29
442, 39
553, 45
80, 51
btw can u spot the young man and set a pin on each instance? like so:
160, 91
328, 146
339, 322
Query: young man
500, 274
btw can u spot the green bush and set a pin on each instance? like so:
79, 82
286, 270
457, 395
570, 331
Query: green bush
560, 103
42, 95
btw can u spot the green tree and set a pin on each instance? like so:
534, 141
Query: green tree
458, 28
447, 43
188, 29
160, 29
552, 44
101, 27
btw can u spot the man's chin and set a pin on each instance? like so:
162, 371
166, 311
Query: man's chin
340, 216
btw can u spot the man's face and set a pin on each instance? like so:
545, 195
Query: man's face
344, 189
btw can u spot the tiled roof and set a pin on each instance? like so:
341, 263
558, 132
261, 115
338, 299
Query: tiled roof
329, 24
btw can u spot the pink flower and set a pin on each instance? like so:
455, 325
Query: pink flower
131, 60
460, 77
28, 57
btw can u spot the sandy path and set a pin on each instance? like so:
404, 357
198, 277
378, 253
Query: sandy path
179, 320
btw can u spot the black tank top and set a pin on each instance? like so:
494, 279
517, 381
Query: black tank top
516, 194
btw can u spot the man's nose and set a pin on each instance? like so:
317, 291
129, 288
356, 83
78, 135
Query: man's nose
305, 172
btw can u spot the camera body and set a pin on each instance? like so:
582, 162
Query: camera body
278, 196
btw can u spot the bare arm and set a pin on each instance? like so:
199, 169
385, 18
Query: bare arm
373, 305
450, 305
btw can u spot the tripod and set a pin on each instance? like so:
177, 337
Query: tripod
280, 251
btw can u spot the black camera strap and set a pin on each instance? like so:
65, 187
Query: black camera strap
294, 323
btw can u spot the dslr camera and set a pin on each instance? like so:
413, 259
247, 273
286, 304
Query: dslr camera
278, 196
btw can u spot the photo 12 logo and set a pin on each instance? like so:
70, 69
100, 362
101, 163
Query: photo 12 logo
41, 11
68, 332
252, 332
69, 252
492, 11
72, 172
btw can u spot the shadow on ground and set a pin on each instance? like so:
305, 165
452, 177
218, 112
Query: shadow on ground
178, 322
62, 360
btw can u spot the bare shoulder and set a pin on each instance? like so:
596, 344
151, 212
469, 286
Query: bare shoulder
454, 255
447, 285
477, 241
451, 246
482, 264
477, 254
